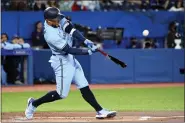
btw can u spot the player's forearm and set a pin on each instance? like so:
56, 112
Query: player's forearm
75, 51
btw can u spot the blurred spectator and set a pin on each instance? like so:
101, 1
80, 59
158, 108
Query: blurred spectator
19, 43
156, 44
91, 5
66, 5
11, 66
22, 6
39, 5
172, 35
75, 6
157, 4
52, 3
4, 42
5, 45
94, 5
13, 6
18, 5
37, 36
174, 38
168, 4
5, 5
80, 6
134, 44
4, 37
10, 63
15, 41
118, 4
148, 43
178, 6
133, 6
144, 5
106, 5
8, 45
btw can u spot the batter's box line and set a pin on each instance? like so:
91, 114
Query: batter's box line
65, 117
159, 118
70, 117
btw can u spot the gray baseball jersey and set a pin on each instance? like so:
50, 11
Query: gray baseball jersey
65, 66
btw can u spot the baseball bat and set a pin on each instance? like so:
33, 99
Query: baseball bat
115, 60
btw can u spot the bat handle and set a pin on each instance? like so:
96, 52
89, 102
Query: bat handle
105, 54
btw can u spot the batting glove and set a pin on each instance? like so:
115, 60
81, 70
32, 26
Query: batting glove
90, 45
90, 52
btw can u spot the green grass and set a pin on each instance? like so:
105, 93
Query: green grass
137, 99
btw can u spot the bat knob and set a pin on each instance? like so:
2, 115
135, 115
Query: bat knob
124, 66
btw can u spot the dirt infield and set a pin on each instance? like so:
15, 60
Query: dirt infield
134, 116
170, 116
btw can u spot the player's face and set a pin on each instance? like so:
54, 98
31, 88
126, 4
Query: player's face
54, 23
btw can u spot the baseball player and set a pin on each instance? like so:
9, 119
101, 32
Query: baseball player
59, 34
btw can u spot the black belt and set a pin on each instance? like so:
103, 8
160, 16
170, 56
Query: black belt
60, 54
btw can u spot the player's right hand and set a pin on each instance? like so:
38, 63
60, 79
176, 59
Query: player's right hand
90, 45
90, 52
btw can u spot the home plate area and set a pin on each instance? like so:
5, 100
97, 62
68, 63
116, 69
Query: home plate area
90, 117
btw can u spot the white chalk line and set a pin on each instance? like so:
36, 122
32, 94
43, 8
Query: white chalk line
152, 117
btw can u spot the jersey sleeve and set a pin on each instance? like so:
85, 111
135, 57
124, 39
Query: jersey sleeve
55, 40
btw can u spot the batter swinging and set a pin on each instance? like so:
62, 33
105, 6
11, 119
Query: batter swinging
59, 34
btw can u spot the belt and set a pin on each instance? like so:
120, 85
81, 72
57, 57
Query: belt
60, 54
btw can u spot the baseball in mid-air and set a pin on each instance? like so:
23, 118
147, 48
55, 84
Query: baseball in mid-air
145, 32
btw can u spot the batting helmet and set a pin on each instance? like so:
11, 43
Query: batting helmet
52, 13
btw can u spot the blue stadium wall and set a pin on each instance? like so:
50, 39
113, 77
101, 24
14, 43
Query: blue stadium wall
144, 66
155, 65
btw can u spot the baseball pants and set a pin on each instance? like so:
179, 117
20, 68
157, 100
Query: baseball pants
66, 73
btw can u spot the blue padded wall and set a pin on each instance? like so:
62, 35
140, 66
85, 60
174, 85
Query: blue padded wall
178, 62
144, 66
153, 65
27, 21
10, 23
104, 70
